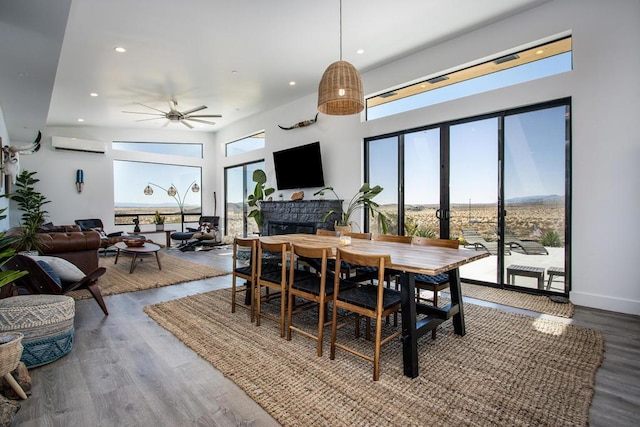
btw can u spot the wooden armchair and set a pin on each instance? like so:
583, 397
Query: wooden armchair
38, 281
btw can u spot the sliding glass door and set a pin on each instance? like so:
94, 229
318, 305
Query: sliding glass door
535, 198
473, 194
238, 184
498, 183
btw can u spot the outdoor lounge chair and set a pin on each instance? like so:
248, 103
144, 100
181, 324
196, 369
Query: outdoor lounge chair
529, 247
473, 238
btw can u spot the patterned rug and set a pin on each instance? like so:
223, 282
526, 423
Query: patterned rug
146, 275
509, 369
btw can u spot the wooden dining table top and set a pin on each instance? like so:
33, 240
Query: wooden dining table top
430, 260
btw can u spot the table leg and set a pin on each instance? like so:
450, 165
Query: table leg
456, 299
133, 262
117, 255
158, 259
168, 233
409, 333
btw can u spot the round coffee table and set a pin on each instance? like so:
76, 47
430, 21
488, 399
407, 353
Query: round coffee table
146, 249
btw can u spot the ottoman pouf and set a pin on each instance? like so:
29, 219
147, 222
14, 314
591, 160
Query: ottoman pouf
46, 322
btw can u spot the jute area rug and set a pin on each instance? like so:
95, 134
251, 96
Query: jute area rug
509, 369
146, 275
538, 303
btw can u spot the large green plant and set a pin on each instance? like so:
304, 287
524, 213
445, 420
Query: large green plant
30, 202
362, 199
6, 253
260, 193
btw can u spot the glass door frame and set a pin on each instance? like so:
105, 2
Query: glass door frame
445, 179
245, 191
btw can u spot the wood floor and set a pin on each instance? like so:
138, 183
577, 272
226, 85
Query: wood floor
125, 370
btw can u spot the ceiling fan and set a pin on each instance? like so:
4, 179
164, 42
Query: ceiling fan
173, 115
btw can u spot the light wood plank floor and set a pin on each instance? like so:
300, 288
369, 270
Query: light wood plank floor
125, 370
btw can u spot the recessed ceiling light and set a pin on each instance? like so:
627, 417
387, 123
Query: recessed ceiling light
292, 83
93, 94
81, 120
119, 49
360, 51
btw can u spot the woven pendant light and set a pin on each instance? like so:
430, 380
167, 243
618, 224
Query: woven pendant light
340, 91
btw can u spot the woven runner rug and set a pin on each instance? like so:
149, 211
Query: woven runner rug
175, 270
509, 369
538, 303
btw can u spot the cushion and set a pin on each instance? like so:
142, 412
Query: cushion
50, 271
100, 231
203, 236
67, 271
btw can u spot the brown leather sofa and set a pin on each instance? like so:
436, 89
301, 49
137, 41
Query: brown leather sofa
77, 247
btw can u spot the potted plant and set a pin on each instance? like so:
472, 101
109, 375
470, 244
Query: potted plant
30, 202
260, 193
158, 220
362, 199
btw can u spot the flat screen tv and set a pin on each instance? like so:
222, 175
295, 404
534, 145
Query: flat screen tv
299, 167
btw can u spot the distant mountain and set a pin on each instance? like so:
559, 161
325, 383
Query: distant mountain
550, 198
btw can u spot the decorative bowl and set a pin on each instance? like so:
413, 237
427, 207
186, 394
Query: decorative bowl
134, 243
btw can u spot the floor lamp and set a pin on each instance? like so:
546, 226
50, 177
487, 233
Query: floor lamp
171, 191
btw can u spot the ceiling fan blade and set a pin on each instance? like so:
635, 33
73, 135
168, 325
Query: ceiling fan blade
150, 107
166, 123
186, 124
201, 121
205, 115
153, 118
173, 105
193, 110
149, 114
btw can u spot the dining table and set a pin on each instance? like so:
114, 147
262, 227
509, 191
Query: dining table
408, 259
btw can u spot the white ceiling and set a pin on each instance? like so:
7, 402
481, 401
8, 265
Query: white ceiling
189, 50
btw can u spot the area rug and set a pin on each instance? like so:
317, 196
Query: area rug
146, 275
509, 369
537, 303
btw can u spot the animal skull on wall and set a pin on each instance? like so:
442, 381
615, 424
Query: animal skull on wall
11, 157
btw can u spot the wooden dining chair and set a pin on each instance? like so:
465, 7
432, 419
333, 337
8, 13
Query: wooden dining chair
244, 267
435, 283
324, 232
391, 276
316, 288
372, 301
272, 274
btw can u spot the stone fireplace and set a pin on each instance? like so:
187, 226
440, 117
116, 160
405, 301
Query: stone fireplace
298, 216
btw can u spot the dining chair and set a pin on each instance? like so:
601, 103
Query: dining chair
390, 274
244, 267
435, 283
316, 288
372, 301
272, 274
324, 232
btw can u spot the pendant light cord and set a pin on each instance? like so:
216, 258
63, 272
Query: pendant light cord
340, 30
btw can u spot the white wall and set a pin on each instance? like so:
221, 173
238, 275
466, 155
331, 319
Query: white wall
56, 171
606, 144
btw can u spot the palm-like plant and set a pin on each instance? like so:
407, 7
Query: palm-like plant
6, 253
260, 192
362, 199
30, 203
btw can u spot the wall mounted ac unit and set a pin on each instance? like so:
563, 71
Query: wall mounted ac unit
77, 144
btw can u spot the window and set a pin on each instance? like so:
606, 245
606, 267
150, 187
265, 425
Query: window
244, 145
238, 181
530, 64
173, 149
130, 201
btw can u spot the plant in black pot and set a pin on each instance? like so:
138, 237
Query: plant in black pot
30, 202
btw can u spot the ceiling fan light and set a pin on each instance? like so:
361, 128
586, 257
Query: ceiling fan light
340, 91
